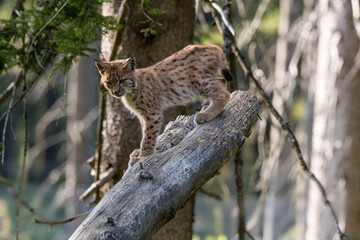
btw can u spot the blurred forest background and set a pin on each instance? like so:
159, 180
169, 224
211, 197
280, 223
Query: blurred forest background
305, 54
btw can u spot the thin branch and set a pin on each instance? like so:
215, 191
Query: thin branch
22, 174
99, 143
286, 127
22, 171
120, 18
48, 22
9, 90
249, 235
22, 202
107, 176
21, 97
210, 194
66, 220
40, 64
223, 17
5, 126
246, 35
145, 14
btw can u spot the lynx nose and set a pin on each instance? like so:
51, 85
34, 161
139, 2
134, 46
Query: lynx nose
119, 93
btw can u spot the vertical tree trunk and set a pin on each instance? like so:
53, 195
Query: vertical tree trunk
276, 220
336, 135
122, 132
76, 175
307, 76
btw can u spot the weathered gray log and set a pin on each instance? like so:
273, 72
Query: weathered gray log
188, 155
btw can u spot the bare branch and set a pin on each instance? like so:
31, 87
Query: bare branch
210, 194
5, 126
223, 17
107, 176
51, 223
9, 90
22, 202
247, 34
145, 14
45, 25
120, 18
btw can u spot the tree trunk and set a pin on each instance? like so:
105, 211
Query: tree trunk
77, 102
187, 156
122, 132
307, 76
336, 129
277, 213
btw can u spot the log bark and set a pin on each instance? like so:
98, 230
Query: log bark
188, 155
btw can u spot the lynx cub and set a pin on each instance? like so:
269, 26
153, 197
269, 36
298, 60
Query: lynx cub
193, 72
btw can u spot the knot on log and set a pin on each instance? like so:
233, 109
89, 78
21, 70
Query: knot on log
110, 221
145, 176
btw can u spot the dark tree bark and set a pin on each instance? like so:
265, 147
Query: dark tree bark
122, 132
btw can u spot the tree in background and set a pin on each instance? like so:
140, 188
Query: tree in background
336, 128
150, 33
80, 115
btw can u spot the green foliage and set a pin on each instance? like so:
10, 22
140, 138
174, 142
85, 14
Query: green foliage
152, 25
151, 29
156, 11
34, 36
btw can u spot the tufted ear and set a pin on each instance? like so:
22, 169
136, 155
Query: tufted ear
130, 63
102, 66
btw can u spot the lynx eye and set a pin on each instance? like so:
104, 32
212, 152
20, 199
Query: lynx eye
109, 84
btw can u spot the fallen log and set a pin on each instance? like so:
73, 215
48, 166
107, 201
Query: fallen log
187, 156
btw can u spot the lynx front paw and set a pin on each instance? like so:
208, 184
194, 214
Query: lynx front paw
135, 153
134, 157
202, 117
133, 160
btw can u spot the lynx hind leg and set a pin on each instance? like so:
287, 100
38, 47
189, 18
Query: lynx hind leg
219, 97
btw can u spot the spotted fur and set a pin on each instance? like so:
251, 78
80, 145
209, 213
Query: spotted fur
197, 71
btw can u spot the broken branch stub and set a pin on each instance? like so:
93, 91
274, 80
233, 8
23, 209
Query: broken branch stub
187, 156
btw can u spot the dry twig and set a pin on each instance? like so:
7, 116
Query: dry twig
210, 194
107, 176
51, 223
